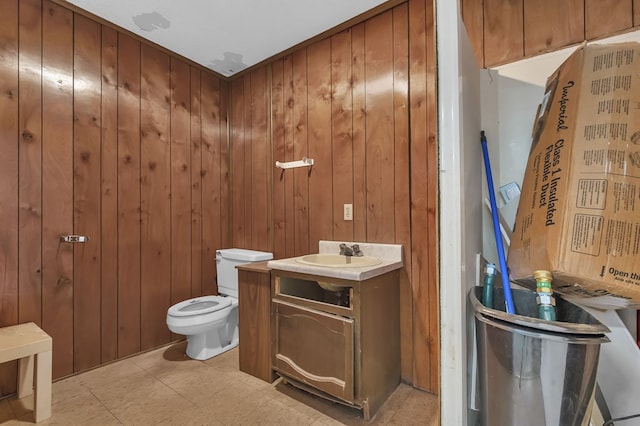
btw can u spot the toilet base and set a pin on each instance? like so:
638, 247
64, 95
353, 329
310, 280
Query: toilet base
200, 351
216, 341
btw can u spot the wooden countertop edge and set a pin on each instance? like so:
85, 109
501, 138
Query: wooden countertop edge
255, 267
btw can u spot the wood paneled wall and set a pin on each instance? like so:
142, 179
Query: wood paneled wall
504, 31
362, 105
105, 136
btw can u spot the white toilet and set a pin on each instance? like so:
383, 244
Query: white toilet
211, 322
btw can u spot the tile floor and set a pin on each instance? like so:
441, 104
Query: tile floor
164, 387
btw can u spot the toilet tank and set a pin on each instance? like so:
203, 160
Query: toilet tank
227, 260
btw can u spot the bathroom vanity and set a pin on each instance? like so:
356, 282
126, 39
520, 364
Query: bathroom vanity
336, 330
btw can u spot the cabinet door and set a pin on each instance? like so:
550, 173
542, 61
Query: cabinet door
314, 348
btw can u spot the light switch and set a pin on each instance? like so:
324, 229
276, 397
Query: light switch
348, 212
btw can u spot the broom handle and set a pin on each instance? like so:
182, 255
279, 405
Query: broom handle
504, 273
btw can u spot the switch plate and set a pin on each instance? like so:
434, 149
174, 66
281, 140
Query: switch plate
348, 212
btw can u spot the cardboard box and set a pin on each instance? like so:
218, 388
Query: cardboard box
579, 211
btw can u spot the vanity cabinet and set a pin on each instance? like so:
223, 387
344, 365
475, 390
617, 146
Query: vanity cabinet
254, 304
339, 339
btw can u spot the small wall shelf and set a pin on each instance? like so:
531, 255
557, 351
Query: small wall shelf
305, 162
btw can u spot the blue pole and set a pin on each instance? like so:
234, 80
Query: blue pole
504, 273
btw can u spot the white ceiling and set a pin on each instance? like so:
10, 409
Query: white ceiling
227, 36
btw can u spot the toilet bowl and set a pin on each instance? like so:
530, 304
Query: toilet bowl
210, 323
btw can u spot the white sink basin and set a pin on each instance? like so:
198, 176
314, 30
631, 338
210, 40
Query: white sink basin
338, 261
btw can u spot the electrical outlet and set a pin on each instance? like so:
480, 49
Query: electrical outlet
348, 212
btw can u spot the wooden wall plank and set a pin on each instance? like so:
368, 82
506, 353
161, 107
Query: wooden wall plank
30, 167
300, 150
221, 100
636, 13
419, 128
155, 202
196, 184
619, 17
128, 195
319, 143
246, 214
473, 16
9, 108
289, 116
237, 170
503, 31
402, 166
379, 128
210, 180
341, 134
109, 229
57, 183
86, 193
429, 279
359, 135
180, 182
550, 25
278, 149
260, 162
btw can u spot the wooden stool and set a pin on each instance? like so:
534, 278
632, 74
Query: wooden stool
24, 342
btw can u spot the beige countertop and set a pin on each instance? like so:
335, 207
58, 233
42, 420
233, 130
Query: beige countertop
389, 254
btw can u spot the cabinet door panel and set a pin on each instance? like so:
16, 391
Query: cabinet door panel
314, 348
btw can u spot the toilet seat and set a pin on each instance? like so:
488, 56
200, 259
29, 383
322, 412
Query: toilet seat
199, 306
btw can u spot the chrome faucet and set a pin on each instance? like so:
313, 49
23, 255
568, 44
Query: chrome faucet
345, 250
353, 250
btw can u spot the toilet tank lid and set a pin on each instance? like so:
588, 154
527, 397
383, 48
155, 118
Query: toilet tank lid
246, 255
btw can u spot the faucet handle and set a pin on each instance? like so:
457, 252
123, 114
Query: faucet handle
346, 250
356, 250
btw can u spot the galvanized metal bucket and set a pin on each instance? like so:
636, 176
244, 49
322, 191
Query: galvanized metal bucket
531, 371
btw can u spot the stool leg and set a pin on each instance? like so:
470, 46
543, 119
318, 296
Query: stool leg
42, 404
25, 376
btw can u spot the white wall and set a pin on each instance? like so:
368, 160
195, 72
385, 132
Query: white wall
508, 110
